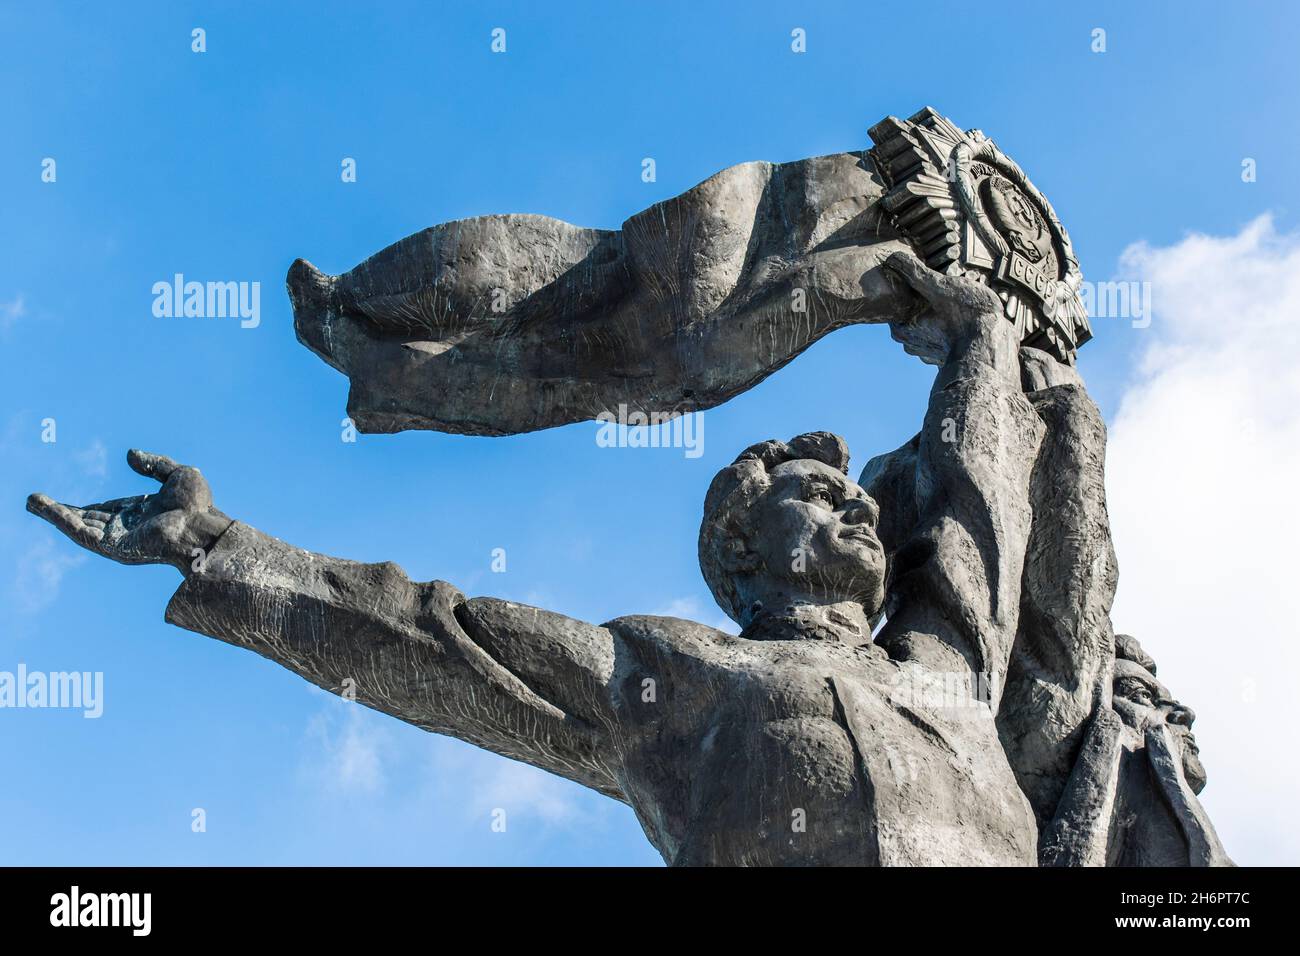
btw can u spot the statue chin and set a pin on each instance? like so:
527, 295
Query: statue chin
1193, 770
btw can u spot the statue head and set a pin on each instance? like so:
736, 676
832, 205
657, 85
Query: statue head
784, 525
1142, 702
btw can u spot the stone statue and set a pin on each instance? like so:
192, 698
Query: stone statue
1060, 663
1131, 800
504, 324
685, 723
925, 668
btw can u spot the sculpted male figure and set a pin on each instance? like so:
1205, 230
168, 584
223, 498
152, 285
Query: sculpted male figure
1132, 798
502, 324
1059, 670
980, 716
790, 743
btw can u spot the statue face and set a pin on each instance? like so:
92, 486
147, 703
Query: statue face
1143, 702
815, 529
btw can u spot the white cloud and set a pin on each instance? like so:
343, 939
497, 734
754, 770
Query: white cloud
11, 312
1202, 473
349, 743
482, 783
39, 574
687, 608
354, 751
93, 460
691, 609
520, 789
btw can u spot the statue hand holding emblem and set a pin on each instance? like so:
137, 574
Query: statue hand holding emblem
968, 209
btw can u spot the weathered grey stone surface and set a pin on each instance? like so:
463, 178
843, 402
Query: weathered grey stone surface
801, 740
690, 303
1131, 799
971, 210
1064, 645
1060, 662
927, 671
504, 324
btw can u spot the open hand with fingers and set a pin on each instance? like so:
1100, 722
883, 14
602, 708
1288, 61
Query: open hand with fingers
162, 528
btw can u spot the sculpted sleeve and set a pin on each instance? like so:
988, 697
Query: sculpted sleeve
1060, 665
520, 682
955, 581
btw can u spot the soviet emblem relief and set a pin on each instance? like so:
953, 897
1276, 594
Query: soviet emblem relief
968, 209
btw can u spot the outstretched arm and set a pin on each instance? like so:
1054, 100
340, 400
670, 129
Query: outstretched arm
955, 589
519, 681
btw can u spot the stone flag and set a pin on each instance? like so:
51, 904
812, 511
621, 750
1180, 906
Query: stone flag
505, 324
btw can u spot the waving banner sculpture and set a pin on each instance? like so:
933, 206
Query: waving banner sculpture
506, 324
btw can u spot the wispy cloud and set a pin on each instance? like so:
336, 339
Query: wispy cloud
484, 784
519, 789
93, 460
11, 312
692, 609
39, 574
1203, 467
347, 748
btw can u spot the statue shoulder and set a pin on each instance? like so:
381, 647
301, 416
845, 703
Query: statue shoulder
662, 636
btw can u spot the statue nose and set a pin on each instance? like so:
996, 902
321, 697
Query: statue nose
1180, 714
860, 511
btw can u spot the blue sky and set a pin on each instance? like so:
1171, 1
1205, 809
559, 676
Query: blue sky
225, 166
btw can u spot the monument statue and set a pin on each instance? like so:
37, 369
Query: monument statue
926, 672
1131, 800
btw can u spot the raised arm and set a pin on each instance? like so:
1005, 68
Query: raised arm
955, 584
521, 682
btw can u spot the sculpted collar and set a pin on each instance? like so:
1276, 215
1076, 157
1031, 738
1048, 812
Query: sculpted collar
804, 622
